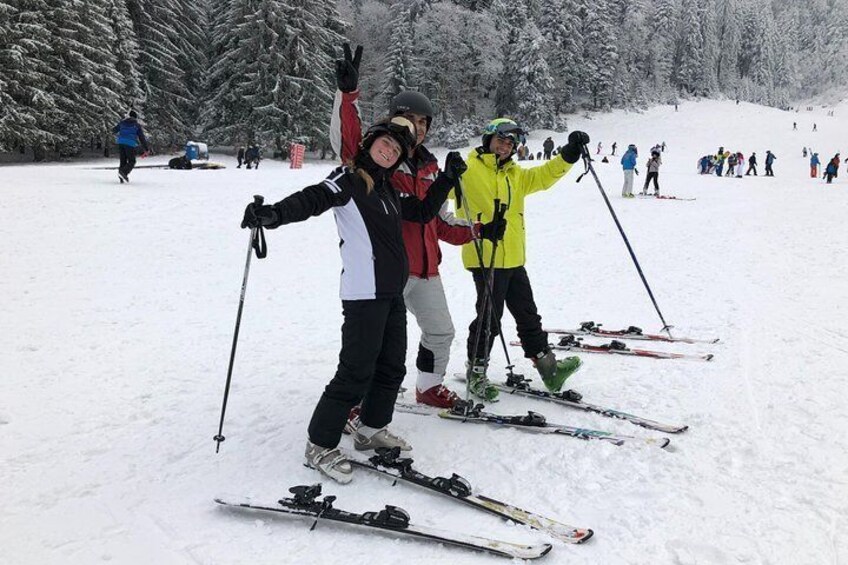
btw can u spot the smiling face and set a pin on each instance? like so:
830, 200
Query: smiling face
502, 147
420, 122
385, 151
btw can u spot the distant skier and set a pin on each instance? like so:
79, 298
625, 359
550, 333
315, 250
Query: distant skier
769, 162
614, 145
663, 146
752, 164
705, 164
548, 146
252, 157
795, 126
804, 152
130, 136
600, 146
814, 166
815, 128
653, 167
240, 156
628, 164
732, 161
740, 164
832, 169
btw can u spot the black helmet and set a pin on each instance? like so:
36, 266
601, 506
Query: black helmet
398, 127
412, 101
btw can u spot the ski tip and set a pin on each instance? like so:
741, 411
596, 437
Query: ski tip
709, 357
587, 535
664, 442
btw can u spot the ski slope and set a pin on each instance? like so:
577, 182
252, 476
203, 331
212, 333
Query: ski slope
118, 304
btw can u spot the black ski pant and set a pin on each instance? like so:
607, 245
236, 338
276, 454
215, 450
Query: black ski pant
127, 159
655, 176
751, 168
547, 155
829, 177
372, 365
769, 172
510, 286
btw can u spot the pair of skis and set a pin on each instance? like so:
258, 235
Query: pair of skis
570, 342
519, 386
305, 503
389, 463
661, 197
632, 332
532, 422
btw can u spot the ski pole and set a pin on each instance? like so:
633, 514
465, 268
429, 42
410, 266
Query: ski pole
478, 247
484, 315
257, 244
587, 160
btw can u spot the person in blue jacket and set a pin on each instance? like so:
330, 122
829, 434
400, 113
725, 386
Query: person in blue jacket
770, 157
130, 136
628, 163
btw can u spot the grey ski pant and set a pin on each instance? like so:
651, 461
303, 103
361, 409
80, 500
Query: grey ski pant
425, 299
628, 182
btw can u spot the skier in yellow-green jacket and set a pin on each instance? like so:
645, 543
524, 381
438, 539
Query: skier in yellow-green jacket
492, 174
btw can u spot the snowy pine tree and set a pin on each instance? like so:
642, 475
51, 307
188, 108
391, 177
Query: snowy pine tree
398, 65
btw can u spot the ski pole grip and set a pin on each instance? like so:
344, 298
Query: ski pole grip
258, 199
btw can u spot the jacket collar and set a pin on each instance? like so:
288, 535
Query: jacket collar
490, 160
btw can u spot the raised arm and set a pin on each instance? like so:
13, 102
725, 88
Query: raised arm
345, 123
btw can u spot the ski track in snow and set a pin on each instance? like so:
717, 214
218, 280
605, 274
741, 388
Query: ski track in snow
119, 304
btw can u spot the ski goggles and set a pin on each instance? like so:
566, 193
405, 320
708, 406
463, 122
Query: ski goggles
508, 130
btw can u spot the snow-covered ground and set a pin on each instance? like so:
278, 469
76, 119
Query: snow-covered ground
118, 305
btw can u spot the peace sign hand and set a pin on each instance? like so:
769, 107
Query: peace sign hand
347, 71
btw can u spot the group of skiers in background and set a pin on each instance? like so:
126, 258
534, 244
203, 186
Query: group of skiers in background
732, 164
831, 170
628, 165
389, 204
249, 157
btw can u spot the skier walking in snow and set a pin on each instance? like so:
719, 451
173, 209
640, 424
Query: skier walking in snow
600, 146
769, 162
628, 165
832, 169
752, 165
653, 167
424, 293
493, 174
614, 146
240, 157
368, 212
548, 146
814, 166
130, 136
731, 165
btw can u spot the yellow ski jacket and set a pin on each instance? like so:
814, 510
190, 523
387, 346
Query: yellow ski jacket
484, 181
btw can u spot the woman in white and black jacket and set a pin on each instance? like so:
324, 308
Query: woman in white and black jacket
368, 214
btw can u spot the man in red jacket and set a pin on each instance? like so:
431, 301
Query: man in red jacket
424, 294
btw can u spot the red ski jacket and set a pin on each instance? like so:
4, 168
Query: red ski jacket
413, 177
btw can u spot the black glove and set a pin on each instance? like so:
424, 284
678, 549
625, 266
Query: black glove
454, 166
635, 170
262, 215
572, 150
492, 231
347, 71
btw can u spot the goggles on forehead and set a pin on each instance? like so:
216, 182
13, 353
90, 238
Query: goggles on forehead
403, 127
507, 129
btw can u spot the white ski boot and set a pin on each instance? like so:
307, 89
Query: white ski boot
329, 462
366, 439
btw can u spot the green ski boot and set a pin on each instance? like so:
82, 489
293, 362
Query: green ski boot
554, 372
478, 383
